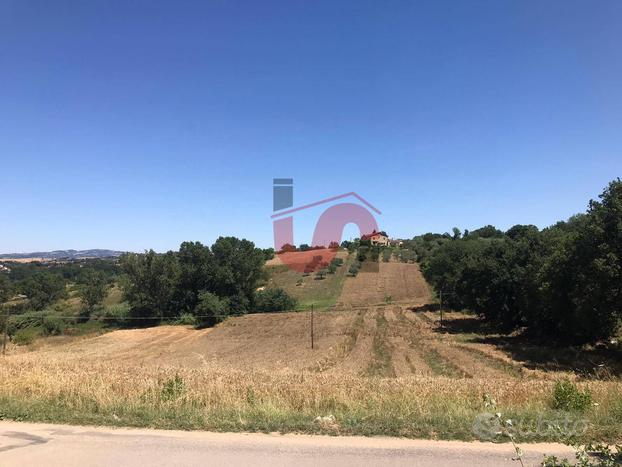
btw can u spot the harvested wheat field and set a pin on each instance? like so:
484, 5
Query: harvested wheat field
378, 366
389, 281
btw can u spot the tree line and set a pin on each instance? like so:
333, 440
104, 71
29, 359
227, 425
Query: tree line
43, 283
562, 283
208, 283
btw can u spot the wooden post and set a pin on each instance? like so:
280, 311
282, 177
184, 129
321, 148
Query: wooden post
312, 326
6, 330
441, 306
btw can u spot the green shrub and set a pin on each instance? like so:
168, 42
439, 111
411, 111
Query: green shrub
23, 321
186, 318
354, 270
211, 309
274, 299
321, 274
25, 336
362, 253
53, 325
567, 396
172, 389
115, 314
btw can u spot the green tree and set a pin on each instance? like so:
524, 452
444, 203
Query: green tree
5, 288
581, 279
150, 284
43, 289
268, 253
196, 273
321, 274
210, 309
92, 290
238, 268
362, 253
273, 299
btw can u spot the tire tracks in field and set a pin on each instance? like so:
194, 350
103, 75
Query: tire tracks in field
407, 358
381, 363
424, 345
451, 358
356, 351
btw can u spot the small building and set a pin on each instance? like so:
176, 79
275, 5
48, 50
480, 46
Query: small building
377, 238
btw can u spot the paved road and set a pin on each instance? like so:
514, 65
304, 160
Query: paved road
25, 444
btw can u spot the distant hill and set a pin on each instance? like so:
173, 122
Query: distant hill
64, 254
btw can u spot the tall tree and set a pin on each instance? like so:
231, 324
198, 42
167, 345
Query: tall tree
239, 266
92, 290
5, 288
150, 283
196, 274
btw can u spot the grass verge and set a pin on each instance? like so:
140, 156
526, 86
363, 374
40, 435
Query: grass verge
42, 390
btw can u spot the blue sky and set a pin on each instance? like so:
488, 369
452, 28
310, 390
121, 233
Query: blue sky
133, 125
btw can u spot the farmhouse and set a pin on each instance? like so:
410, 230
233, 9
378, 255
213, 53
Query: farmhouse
377, 238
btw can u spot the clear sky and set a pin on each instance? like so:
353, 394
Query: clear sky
139, 124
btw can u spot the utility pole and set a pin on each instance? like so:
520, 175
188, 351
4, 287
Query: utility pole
441, 306
6, 329
312, 326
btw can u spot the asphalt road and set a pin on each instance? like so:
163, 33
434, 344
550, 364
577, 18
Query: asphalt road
25, 444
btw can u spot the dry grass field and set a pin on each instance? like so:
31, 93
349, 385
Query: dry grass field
379, 366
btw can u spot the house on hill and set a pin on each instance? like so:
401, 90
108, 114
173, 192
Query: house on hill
377, 238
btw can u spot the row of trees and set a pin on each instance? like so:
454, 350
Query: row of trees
563, 283
44, 284
209, 283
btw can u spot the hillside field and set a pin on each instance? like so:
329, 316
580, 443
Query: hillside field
381, 364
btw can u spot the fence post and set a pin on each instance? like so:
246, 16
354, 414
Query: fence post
6, 329
441, 306
312, 326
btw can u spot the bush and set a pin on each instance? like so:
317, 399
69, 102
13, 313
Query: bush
116, 314
386, 255
354, 270
361, 255
172, 389
53, 325
23, 321
320, 274
186, 318
210, 310
567, 396
273, 300
25, 336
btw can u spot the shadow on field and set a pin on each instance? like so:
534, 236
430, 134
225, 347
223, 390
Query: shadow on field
588, 362
599, 362
422, 308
